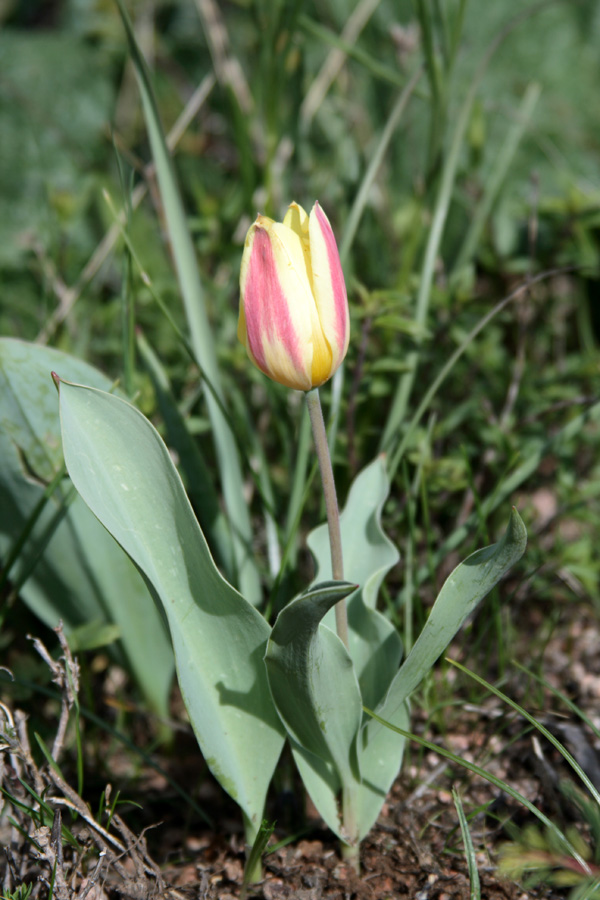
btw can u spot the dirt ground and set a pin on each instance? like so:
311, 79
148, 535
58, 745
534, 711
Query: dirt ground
157, 847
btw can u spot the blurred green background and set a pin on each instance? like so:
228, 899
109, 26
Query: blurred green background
295, 98
70, 113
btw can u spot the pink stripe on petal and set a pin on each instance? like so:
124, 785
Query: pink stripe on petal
268, 319
338, 285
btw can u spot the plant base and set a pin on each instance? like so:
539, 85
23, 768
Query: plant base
351, 856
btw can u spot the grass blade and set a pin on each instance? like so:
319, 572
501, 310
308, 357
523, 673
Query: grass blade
361, 198
494, 181
335, 61
530, 718
375, 67
475, 893
404, 389
354, 218
451, 362
497, 782
562, 697
200, 329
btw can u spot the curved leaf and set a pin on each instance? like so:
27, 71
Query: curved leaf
460, 594
375, 645
314, 686
382, 749
69, 568
123, 471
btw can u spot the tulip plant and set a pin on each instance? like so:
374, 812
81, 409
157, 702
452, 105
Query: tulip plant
313, 676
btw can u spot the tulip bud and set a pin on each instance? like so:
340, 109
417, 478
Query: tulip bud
294, 318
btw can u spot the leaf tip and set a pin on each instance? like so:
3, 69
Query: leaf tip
56, 380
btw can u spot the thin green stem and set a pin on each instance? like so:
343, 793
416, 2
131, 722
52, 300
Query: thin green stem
315, 412
350, 853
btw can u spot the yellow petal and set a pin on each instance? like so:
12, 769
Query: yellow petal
296, 219
329, 288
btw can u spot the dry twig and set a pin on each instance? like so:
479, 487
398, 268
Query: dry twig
38, 850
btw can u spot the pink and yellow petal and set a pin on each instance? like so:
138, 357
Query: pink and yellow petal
292, 259
293, 307
291, 252
329, 288
282, 369
277, 303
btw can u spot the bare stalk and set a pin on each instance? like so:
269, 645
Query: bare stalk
333, 516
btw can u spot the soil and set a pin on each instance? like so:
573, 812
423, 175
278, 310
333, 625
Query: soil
416, 851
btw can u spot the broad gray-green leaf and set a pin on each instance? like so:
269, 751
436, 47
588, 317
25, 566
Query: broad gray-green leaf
316, 692
381, 753
69, 568
375, 645
201, 331
196, 473
460, 594
123, 471
381, 749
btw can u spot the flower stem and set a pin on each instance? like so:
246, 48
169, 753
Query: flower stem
315, 412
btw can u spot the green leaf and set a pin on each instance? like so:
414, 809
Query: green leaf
381, 751
375, 645
201, 331
199, 479
68, 567
460, 594
93, 635
316, 692
124, 473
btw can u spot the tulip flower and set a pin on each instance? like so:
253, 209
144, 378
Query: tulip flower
294, 318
